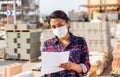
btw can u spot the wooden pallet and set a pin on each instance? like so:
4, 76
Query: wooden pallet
14, 59
18, 30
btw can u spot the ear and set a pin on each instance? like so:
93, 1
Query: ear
68, 23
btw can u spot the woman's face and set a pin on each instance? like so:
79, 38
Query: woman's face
58, 22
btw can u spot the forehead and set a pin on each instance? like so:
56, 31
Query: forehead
57, 21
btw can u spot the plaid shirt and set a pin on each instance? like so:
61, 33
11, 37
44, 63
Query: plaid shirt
78, 54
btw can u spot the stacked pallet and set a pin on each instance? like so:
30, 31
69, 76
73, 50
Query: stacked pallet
22, 42
116, 60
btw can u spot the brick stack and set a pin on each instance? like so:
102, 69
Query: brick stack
12, 69
116, 60
96, 34
23, 42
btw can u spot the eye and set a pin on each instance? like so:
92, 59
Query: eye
60, 25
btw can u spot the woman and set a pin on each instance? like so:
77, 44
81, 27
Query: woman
78, 64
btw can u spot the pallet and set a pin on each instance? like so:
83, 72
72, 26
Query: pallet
17, 30
14, 59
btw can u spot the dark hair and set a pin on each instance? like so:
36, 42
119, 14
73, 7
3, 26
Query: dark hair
58, 14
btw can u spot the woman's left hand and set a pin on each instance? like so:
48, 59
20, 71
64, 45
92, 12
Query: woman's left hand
67, 66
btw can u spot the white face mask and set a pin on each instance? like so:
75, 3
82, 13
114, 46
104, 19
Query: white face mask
60, 32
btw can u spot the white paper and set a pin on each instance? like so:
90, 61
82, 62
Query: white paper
52, 60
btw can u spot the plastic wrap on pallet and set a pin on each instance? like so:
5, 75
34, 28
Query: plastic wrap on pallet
23, 45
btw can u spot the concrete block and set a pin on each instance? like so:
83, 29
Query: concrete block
12, 69
93, 26
26, 26
12, 34
79, 33
12, 45
2, 52
25, 34
77, 26
9, 27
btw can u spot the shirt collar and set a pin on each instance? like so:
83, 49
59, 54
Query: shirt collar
72, 39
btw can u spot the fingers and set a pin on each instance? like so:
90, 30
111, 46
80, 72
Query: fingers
66, 66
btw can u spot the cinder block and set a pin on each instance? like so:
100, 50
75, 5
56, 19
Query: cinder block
2, 52
79, 33
12, 34
26, 26
105, 26
93, 26
12, 45
12, 69
11, 53
9, 27
25, 34
77, 26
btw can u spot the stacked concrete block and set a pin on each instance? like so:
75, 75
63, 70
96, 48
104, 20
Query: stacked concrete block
2, 52
77, 26
23, 44
10, 27
12, 69
97, 36
93, 26
45, 35
20, 26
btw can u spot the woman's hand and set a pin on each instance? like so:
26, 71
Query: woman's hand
67, 66
71, 66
